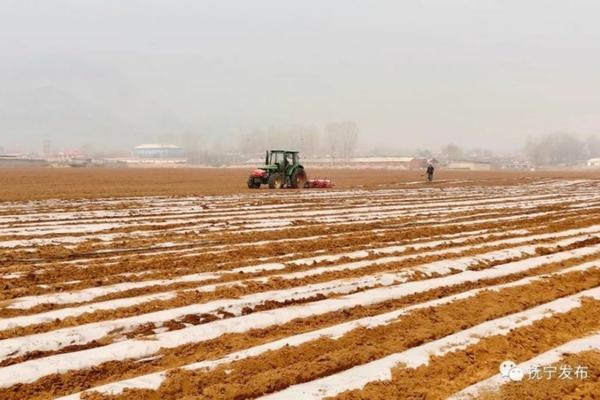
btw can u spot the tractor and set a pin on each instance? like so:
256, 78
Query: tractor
282, 169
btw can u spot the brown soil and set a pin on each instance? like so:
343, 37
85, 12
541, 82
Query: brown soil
248, 287
215, 244
166, 265
45, 183
445, 375
541, 292
253, 377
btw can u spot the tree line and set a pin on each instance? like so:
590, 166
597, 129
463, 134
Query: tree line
337, 141
562, 148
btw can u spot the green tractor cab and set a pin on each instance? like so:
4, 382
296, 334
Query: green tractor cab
282, 169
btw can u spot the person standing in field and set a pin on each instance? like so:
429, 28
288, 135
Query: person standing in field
430, 170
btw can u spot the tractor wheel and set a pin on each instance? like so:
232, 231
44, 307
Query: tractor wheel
276, 181
252, 184
298, 178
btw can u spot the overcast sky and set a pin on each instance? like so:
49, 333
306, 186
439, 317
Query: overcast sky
411, 74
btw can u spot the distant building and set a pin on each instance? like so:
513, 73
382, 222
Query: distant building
470, 165
158, 151
593, 162
18, 160
513, 164
397, 162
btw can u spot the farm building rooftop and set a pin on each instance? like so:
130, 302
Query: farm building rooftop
156, 146
162, 151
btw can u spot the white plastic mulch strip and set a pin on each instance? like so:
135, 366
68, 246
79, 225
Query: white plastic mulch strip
8, 346
90, 294
32, 370
379, 370
153, 381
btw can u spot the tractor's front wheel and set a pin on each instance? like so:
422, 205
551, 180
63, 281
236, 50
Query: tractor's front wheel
276, 181
298, 178
252, 184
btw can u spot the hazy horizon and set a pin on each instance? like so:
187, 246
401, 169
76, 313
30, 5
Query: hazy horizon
108, 75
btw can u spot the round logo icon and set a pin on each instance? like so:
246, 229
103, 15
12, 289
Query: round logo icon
516, 374
505, 367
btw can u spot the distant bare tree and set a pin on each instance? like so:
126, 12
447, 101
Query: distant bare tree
593, 146
294, 137
480, 153
349, 133
309, 141
342, 138
424, 153
302, 138
556, 149
250, 143
193, 147
332, 140
452, 151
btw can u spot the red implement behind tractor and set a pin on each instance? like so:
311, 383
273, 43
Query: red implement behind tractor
318, 183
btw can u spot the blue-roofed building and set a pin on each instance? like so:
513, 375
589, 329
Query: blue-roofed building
158, 151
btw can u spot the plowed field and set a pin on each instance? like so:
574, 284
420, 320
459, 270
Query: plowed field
368, 291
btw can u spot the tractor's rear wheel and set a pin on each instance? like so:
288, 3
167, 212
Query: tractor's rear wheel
252, 184
276, 181
298, 178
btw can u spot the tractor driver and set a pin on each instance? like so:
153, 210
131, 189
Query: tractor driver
286, 162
